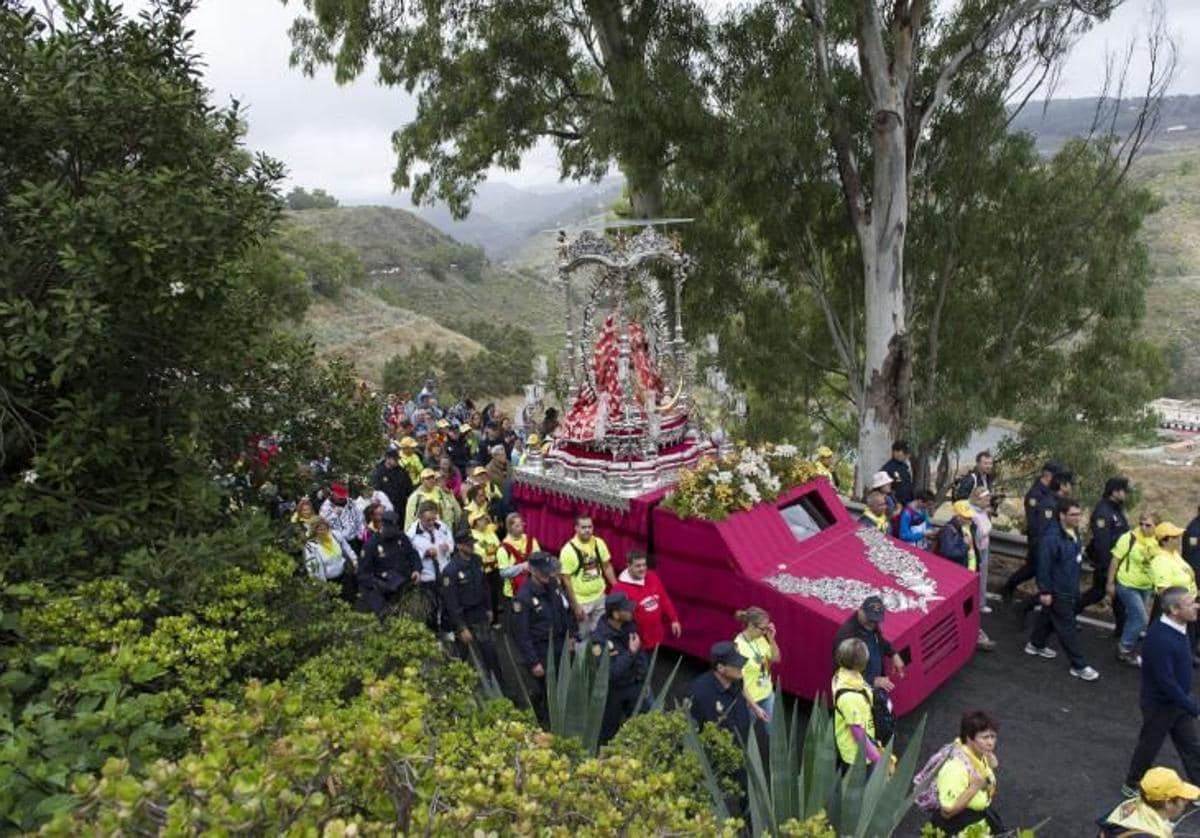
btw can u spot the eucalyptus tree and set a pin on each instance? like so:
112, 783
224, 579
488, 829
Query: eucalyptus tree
605, 81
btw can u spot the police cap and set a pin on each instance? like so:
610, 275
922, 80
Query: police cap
726, 653
618, 601
543, 562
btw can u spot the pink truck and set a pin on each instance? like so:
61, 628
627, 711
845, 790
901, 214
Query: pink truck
805, 559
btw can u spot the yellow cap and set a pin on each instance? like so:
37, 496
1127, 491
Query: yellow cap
1159, 784
442, 423
963, 509
464, 427
408, 442
428, 472
1167, 530
478, 470
534, 439
823, 452
476, 516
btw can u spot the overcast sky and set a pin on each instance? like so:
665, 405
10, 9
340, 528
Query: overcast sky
339, 137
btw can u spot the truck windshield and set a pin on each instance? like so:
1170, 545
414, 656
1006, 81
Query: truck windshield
806, 516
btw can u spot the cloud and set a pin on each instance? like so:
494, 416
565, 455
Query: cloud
339, 137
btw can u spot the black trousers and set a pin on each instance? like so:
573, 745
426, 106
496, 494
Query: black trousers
1059, 619
482, 648
1157, 724
495, 591
953, 826
1096, 591
622, 702
1023, 573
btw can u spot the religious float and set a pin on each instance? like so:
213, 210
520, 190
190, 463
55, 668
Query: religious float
630, 453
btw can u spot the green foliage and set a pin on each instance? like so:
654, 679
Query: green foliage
444, 257
301, 199
500, 370
326, 266
389, 757
657, 741
139, 297
796, 788
110, 671
491, 80
576, 689
1019, 272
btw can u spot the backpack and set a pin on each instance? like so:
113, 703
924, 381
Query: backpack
925, 780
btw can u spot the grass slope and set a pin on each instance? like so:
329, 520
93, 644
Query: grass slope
1173, 238
366, 331
413, 266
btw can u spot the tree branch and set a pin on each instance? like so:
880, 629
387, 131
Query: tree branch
839, 128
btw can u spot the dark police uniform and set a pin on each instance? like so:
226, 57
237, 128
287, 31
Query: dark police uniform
902, 480
723, 706
393, 482
1108, 523
1191, 545
387, 566
542, 617
466, 603
626, 673
1041, 506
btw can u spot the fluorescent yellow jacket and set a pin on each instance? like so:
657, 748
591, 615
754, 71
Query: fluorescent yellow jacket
487, 546
851, 708
448, 509
756, 673
1133, 554
413, 465
505, 557
954, 777
1170, 570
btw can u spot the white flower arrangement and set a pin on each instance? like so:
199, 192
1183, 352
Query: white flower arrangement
717, 488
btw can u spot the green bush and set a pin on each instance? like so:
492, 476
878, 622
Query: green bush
276, 763
657, 741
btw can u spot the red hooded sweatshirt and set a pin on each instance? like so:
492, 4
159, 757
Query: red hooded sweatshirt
654, 611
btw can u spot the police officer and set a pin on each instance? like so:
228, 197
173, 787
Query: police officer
467, 606
717, 695
1041, 506
1108, 523
616, 636
391, 479
900, 471
389, 565
542, 621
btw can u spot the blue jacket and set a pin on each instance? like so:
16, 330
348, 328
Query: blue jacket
952, 542
1167, 669
1059, 560
913, 525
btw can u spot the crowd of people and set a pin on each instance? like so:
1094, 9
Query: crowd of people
433, 531
1147, 574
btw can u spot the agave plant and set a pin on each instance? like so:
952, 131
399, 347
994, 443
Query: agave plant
576, 691
797, 783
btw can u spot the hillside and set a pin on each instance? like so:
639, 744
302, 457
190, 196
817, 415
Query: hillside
1056, 121
1173, 238
364, 330
420, 285
504, 218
